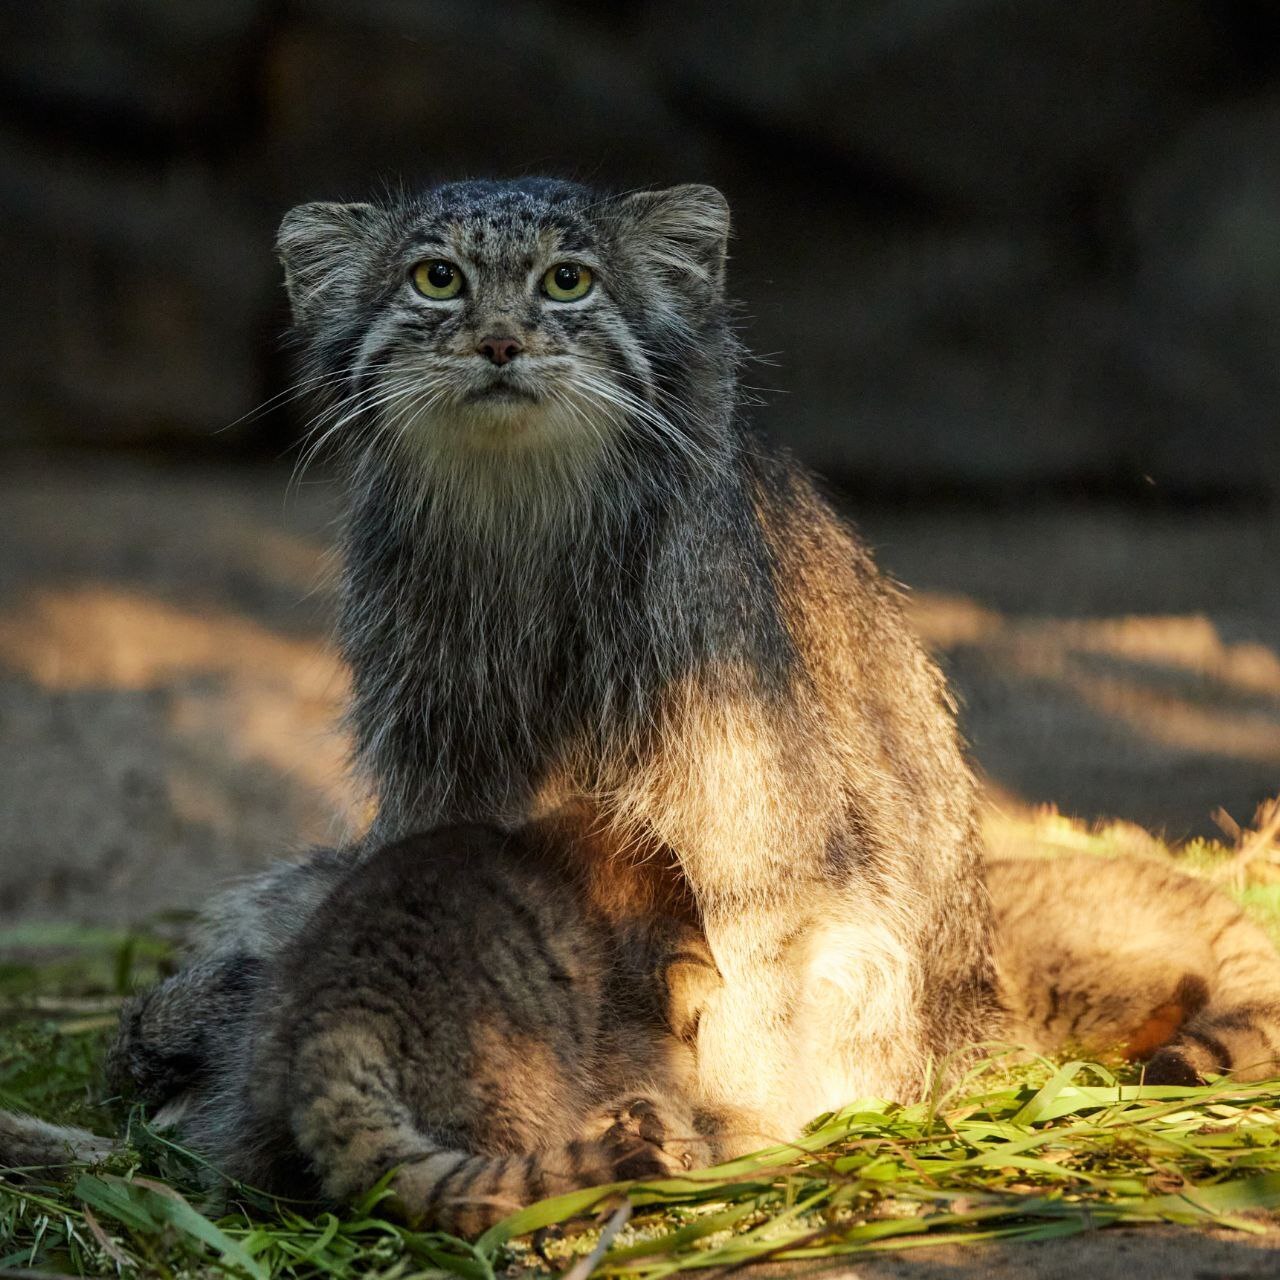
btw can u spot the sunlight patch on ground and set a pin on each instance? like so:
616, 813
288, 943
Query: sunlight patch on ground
1103, 693
233, 687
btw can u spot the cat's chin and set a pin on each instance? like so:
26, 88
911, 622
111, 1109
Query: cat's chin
510, 423
502, 396
505, 421
505, 468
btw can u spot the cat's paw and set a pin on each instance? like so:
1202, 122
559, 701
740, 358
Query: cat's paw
732, 1132
649, 1138
1171, 1065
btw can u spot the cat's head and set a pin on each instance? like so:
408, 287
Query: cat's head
497, 334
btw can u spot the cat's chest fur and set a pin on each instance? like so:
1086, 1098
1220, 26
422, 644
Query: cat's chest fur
485, 673
492, 675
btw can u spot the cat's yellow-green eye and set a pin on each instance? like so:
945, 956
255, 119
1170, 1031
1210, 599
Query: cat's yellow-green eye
567, 282
438, 279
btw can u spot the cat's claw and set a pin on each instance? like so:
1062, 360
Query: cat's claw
648, 1140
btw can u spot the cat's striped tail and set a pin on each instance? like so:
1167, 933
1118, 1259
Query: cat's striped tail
27, 1144
466, 1194
1236, 1029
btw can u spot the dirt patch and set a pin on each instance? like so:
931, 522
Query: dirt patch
1169, 1253
1116, 665
169, 697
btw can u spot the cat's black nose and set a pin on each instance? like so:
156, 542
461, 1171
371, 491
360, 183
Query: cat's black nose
499, 350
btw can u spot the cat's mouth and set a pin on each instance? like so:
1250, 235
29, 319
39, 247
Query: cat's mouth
503, 391
503, 395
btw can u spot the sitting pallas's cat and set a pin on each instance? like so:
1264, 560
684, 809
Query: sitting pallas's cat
575, 578
576, 583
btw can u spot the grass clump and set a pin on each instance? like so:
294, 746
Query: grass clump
1049, 1154
1017, 1151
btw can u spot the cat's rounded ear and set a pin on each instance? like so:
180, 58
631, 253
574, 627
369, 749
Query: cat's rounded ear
319, 245
684, 230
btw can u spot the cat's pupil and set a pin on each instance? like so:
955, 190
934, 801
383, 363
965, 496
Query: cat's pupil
566, 278
440, 274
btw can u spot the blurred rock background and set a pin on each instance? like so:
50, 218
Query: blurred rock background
1011, 267
986, 243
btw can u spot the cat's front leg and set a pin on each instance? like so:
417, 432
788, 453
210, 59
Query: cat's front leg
745, 1047
798, 938
818, 1005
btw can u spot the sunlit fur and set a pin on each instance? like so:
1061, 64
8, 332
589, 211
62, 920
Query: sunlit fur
1133, 958
614, 596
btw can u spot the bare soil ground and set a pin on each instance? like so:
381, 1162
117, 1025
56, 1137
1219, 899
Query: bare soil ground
169, 702
1149, 1253
1115, 663
169, 698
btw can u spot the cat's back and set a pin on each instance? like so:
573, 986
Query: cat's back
447, 1015
454, 929
1127, 901
449, 985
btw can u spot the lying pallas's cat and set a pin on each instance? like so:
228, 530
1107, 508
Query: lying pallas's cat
454, 1008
